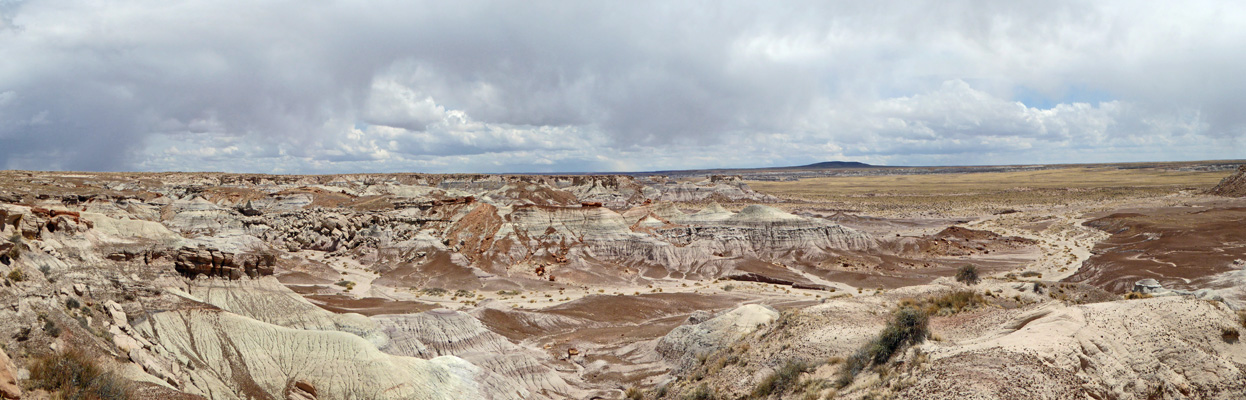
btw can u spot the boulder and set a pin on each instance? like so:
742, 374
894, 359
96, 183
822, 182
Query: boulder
8, 379
301, 390
1148, 286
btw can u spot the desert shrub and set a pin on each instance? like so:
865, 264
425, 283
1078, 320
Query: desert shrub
45, 270
72, 303
633, 393
1230, 335
434, 291
1136, 295
908, 326
346, 284
74, 374
51, 328
16, 275
968, 275
781, 380
1031, 274
466, 293
702, 392
852, 366
15, 252
728, 288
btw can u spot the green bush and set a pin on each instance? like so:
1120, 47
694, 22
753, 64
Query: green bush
968, 275
74, 374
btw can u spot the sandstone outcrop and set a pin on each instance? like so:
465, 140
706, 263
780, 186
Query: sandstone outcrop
193, 262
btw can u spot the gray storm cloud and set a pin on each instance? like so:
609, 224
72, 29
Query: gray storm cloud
579, 86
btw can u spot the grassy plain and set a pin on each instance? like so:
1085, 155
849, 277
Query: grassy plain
983, 191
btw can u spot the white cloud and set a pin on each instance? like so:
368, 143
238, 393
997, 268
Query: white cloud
326, 87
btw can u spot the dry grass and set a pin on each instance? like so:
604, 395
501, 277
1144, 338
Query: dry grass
996, 189
75, 374
947, 303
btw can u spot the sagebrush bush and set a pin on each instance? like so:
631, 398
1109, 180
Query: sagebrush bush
908, 326
968, 275
74, 374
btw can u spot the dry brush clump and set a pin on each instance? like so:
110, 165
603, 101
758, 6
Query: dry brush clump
908, 326
781, 380
968, 275
75, 374
946, 304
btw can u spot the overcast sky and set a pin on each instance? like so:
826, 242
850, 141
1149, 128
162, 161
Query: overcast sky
529, 86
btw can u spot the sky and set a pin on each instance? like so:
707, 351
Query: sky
322, 86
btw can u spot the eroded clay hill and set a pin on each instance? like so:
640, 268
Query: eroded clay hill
1233, 185
228, 286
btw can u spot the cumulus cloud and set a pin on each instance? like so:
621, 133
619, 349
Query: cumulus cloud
283, 86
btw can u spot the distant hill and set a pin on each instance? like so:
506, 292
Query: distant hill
815, 166
831, 165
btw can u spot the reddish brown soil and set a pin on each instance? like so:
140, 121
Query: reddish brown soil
436, 270
475, 231
1179, 247
957, 241
301, 278
632, 309
367, 306
642, 315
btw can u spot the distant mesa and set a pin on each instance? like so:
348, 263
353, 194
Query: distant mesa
1233, 185
833, 165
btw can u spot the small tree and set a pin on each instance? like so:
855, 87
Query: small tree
968, 275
